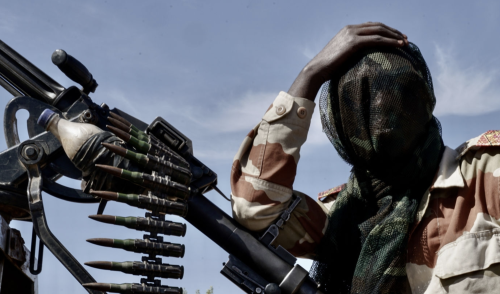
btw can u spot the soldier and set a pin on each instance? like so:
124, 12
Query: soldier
415, 215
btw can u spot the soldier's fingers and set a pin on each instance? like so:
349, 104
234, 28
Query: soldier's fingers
376, 40
371, 24
381, 31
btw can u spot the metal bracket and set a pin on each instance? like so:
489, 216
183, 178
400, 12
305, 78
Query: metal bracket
32, 255
30, 159
243, 276
273, 231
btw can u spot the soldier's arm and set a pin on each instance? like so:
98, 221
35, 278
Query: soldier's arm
265, 166
264, 170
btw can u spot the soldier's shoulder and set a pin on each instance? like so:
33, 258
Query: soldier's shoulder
485, 140
328, 197
330, 194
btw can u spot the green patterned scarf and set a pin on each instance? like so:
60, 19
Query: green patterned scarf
378, 115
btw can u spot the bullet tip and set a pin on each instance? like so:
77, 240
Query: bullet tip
101, 241
120, 118
113, 196
115, 149
106, 265
117, 172
109, 219
97, 286
119, 133
119, 124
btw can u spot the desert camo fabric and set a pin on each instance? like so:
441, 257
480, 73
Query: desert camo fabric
463, 201
263, 173
454, 247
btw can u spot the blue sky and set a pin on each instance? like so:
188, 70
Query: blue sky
211, 68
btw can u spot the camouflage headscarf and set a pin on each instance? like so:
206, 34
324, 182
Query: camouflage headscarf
378, 115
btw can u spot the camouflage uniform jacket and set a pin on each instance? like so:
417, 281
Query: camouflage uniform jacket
455, 243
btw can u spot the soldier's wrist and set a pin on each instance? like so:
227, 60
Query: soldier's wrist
307, 84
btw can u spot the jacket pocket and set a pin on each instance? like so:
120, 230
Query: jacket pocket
471, 252
282, 105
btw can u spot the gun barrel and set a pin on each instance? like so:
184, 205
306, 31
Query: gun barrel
21, 78
236, 240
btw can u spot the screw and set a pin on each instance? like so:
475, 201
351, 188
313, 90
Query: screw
30, 152
258, 290
87, 117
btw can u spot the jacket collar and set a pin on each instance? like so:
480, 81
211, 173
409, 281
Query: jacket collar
449, 174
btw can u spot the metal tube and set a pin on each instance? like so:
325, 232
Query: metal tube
236, 240
7, 86
23, 75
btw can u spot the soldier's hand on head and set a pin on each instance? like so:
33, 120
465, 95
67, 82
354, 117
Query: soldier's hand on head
349, 40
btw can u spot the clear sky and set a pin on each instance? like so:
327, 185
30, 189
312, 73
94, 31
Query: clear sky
211, 68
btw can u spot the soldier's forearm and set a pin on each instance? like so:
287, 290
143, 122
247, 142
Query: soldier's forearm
307, 84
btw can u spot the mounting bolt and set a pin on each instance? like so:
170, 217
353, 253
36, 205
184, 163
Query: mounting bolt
88, 117
30, 152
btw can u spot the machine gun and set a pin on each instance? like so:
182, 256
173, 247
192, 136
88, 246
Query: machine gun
30, 167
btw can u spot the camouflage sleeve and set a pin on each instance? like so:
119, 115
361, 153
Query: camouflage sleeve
263, 173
